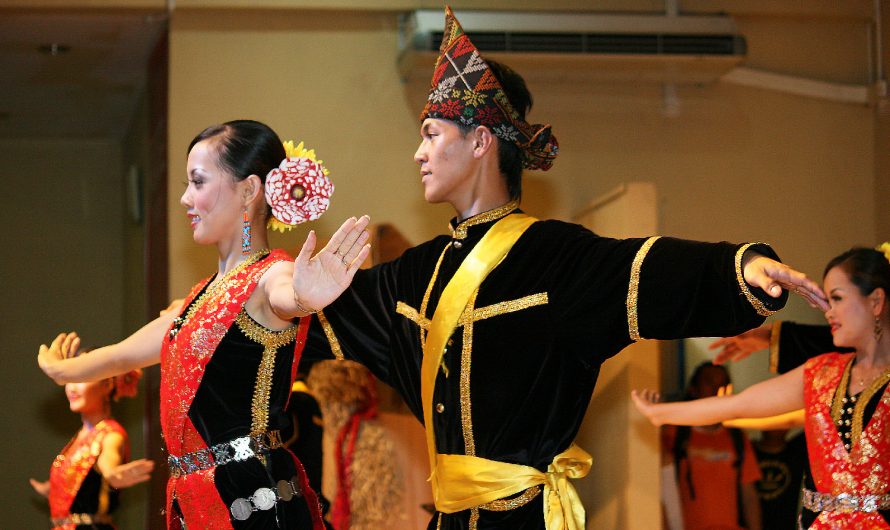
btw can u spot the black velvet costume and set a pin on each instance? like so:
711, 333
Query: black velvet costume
88, 497
221, 411
518, 375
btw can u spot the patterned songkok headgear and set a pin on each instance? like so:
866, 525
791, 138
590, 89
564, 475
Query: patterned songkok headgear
465, 90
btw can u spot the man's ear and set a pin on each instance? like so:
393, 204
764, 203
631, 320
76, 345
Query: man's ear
483, 141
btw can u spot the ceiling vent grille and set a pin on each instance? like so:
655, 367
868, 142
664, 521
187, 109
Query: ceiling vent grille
580, 48
601, 43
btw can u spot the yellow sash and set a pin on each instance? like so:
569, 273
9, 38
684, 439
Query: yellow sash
461, 482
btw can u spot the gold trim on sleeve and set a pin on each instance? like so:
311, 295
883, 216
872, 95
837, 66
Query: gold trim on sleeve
271, 340
332, 337
633, 290
755, 302
775, 335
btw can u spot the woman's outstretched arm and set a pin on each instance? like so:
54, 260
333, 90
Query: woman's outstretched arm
768, 398
141, 349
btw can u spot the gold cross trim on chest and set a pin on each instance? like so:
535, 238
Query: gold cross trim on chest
476, 314
470, 315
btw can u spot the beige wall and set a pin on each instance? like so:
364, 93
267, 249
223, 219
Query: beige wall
62, 211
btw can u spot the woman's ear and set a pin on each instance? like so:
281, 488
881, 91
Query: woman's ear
878, 299
251, 187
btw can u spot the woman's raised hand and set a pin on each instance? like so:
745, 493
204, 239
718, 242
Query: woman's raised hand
318, 280
63, 347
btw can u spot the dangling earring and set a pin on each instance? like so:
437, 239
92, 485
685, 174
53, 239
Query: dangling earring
245, 235
879, 330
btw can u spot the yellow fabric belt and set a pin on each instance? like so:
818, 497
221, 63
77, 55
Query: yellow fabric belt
464, 482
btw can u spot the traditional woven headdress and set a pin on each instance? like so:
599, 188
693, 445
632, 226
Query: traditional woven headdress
466, 91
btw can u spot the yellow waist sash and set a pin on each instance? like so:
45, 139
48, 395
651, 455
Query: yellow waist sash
461, 482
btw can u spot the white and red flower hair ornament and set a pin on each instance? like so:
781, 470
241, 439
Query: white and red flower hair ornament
298, 190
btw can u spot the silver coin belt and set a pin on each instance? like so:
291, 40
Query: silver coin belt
845, 503
81, 518
265, 499
237, 450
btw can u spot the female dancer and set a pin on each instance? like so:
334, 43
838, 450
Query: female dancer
229, 354
844, 396
85, 477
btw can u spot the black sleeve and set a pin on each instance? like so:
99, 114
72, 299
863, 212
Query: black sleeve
791, 344
694, 289
612, 292
362, 318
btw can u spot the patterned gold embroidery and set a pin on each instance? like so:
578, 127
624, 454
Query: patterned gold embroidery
332, 337
743, 285
460, 232
864, 398
504, 307
411, 314
426, 295
633, 290
271, 341
474, 519
466, 414
861, 402
476, 315
216, 286
774, 338
503, 505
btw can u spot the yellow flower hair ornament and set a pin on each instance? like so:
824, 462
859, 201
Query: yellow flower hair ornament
885, 249
299, 189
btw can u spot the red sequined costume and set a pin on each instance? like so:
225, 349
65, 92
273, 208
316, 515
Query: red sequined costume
865, 469
76, 488
222, 376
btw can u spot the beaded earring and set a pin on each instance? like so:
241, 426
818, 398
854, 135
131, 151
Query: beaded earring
245, 235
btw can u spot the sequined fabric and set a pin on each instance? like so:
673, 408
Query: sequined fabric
72, 465
866, 468
184, 357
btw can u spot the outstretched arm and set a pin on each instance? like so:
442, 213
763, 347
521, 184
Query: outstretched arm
741, 346
141, 349
768, 398
110, 464
316, 281
773, 276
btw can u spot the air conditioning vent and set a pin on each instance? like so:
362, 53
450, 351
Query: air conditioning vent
579, 48
601, 43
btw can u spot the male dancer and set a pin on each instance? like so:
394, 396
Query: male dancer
495, 334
